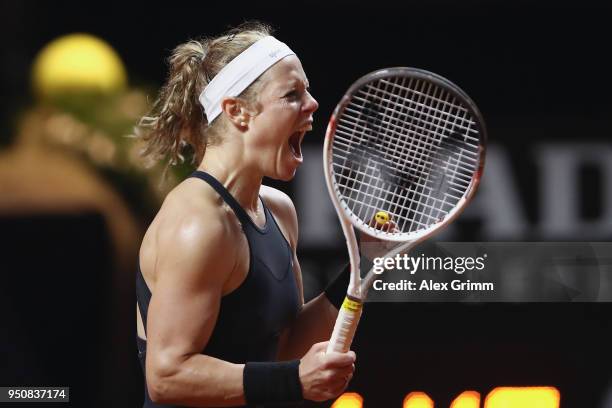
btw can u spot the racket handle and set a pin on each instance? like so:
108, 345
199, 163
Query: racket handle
346, 326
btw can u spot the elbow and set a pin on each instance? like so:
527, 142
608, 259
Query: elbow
159, 382
159, 389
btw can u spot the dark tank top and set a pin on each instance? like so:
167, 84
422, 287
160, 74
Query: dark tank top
252, 317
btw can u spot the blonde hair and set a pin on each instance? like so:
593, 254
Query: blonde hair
177, 120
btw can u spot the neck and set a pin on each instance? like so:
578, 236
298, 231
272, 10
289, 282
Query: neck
227, 163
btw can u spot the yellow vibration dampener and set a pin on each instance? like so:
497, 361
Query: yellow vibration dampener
382, 217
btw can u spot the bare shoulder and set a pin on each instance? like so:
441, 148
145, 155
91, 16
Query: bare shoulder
276, 198
187, 235
283, 209
192, 212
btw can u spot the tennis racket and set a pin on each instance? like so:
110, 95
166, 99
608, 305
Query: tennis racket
405, 145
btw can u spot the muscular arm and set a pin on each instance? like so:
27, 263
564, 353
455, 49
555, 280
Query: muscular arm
182, 314
192, 268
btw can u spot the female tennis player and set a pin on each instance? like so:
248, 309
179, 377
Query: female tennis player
221, 319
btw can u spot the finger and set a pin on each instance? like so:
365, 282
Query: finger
343, 359
336, 385
339, 389
330, 394
340, 360
344, 371
374, 223
389, 226
348, 369
341, 375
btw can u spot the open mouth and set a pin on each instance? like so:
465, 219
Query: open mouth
295, 144
295, 141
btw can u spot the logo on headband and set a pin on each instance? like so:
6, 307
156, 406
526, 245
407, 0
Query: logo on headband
274, 53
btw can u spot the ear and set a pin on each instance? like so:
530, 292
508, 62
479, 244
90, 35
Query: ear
236, 111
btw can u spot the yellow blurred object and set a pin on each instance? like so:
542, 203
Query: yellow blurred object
467, 399
382, 217
523, 397
348, 400
77, 62
418, 400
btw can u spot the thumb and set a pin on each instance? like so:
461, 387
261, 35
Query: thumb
322, 346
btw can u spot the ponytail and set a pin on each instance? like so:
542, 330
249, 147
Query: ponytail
177, 119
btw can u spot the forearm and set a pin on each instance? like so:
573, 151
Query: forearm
198, 381
313, 324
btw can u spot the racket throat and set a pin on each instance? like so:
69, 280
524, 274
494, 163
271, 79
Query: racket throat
356, 291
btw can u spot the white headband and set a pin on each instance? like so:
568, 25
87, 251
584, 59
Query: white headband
241, 72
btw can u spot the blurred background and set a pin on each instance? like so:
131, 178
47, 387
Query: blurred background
76, 198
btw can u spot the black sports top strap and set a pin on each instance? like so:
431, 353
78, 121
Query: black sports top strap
227, 197
143, 295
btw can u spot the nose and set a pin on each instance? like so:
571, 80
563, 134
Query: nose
311, 104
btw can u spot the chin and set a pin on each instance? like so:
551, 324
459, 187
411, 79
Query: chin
287, 174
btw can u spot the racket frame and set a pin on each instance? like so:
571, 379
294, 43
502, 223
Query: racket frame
350, 311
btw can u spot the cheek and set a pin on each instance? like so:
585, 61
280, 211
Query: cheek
276, 120
282, 118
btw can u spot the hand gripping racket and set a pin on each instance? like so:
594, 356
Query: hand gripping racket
403, 144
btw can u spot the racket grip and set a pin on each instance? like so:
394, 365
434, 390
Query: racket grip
346, 326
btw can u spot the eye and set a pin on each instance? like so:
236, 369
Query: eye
291, 94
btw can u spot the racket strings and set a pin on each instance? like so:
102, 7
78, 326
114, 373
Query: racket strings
449, 149
405, 146
418, 210
443, 123
405, 157
396, 202
409, 114
461, 182
454, 112
424, 145
343, 128
343, 131
393, 200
